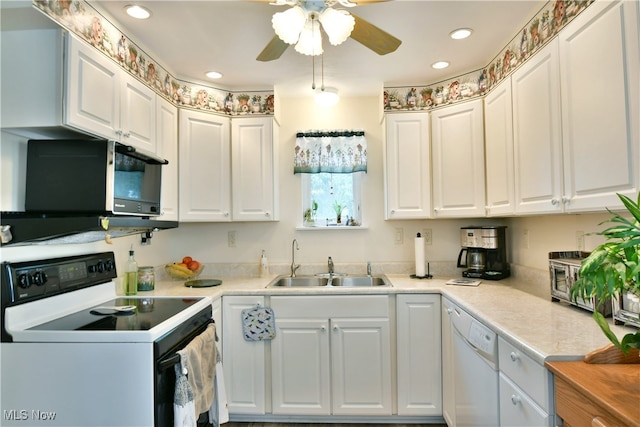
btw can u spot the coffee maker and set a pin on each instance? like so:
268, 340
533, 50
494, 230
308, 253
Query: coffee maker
484, 252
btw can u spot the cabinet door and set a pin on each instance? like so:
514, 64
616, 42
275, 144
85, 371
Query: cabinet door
517, 409
243, 361
418, 355
252, 166
537, 133
92, 90
457, 139
361, 366
167, 148
407, 166
205, 175
137, 114
599, 68
300, 380
498, 128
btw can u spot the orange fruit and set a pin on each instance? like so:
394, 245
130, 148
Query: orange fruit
193, 265
187, 260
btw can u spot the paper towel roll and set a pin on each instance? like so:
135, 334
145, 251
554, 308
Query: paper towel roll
419, 252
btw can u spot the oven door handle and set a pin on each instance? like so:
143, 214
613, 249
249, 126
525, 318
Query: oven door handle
171, 359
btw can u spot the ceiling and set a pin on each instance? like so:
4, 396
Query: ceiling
191, 37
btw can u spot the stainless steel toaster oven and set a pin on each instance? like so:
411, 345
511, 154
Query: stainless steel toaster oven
563, 271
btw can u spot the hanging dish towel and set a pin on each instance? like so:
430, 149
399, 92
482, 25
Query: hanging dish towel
219, 412
258, 324
197, 368
184, 411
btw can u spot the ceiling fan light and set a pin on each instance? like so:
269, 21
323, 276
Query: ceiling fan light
289, 24
327, 97
338, 24
310, 42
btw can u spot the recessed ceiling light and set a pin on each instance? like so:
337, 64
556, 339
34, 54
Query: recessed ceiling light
460, 33
137, 12
214, 74
439, 65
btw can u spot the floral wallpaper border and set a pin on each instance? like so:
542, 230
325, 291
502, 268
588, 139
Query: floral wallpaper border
82, 19
85, 21
538, 32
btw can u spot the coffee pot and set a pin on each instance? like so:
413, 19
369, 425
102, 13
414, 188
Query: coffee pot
475, 259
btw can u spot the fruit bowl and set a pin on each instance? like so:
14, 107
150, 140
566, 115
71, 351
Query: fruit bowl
180, 272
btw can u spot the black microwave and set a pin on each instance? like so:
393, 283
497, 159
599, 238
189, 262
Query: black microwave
92, 177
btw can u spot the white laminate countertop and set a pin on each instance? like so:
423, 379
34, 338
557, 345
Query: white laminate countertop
542, 329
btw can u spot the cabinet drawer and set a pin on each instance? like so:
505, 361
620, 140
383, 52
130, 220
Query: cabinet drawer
526, 373
330, 306
517, 409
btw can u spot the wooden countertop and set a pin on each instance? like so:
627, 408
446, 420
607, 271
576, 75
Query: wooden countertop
614, 389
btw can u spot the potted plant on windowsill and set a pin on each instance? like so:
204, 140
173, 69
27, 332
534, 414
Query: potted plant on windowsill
613, 269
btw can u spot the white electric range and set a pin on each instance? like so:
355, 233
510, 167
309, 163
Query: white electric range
68, 358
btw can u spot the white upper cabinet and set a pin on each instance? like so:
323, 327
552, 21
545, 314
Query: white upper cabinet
498, 131
537, 133
167, 148
407, 166
227, 168
205, 167
457, 140
599, 69
253, 169
104, 100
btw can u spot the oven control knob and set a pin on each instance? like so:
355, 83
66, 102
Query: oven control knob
96, 268
39, 278
108, 265
24, 281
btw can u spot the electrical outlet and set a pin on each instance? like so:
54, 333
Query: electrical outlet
399, 236
580, 240
231, 238
426, 234
525, 239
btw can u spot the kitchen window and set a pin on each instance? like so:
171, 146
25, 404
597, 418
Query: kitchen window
326, 194
331, 164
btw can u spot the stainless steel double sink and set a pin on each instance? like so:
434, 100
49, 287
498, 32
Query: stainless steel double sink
327, 280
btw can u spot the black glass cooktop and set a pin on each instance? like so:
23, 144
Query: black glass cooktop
148, 313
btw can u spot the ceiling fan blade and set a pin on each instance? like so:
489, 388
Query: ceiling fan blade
373, 37
273, 50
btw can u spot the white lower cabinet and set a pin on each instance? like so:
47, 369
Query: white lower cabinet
526, 389
419, 379
243, 361
331, 356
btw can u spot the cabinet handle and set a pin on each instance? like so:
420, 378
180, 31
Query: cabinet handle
226, 214
514, 356
127, 135
554, 201
118, 132
599, 422
566, 200
323, 328
335, 327
267, 214
449, 311
515, 399
393, 211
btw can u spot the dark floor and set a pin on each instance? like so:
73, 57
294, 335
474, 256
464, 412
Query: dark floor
235, 424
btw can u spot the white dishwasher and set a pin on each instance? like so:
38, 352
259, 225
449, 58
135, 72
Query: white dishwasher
475, 370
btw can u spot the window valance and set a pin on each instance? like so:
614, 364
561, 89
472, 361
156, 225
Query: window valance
339, 151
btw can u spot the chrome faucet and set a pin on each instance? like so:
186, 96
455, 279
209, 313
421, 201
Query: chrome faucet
294, 266
330, 264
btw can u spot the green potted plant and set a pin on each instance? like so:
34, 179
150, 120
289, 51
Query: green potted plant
613, 269
338, 208
310, 214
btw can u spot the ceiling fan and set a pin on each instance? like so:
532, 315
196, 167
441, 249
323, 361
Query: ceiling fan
300, 26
